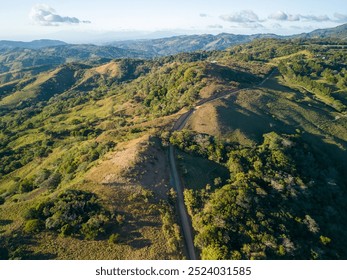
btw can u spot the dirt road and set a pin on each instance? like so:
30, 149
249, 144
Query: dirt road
179, 125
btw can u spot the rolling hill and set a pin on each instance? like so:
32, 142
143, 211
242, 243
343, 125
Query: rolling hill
84, 144
18, 60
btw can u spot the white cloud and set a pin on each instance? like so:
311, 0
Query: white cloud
46, 16
215, 26
203, 15
340, 17
316, 18
276, 26
251, 25
282, 16
245, 16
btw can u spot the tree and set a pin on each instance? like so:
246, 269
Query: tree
214, 252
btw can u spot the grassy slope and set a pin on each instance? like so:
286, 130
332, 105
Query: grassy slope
273, 106
116, 180
121, 175
141, 236
137, 164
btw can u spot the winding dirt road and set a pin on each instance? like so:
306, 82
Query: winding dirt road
177, 183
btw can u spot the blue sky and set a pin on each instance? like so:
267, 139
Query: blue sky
84, 20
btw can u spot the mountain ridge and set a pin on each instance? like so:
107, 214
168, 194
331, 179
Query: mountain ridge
182, 43
35, 44
209, 42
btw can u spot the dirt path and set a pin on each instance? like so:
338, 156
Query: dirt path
179, 125
184, 218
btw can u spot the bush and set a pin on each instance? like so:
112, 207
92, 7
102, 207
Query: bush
33, 226
114, 238
31, 214
26, 186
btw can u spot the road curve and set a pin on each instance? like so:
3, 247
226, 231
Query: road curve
179, 125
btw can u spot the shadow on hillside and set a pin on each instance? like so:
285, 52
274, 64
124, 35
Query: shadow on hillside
253, 125
140, 243
17, 247
5, 222
329, 149
227, 74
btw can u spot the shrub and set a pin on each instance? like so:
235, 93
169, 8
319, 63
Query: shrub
94, 226
31, 214
114, 238
26, 186
33, 226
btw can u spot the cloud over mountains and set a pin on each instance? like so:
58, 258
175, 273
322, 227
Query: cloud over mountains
282, 16
249, 19
245, 16
46, 16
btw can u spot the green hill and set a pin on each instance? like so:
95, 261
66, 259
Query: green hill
284, 143
84, 171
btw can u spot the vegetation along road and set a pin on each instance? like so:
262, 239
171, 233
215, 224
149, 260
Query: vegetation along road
184, 218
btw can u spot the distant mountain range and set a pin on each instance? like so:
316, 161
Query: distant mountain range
190, 43
47, 54
37, 44
183, 43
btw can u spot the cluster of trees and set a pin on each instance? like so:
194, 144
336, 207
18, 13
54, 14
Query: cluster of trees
298, 73
278, 204
200, 144
264, 50
170, 228
168, 90
13, 159
300, 76
73, 213
83, 156
77, 160
321, 70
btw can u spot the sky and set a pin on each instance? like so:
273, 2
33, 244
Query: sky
77, 21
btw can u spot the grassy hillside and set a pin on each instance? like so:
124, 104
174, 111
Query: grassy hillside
92, 128
285, 148
84, 166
